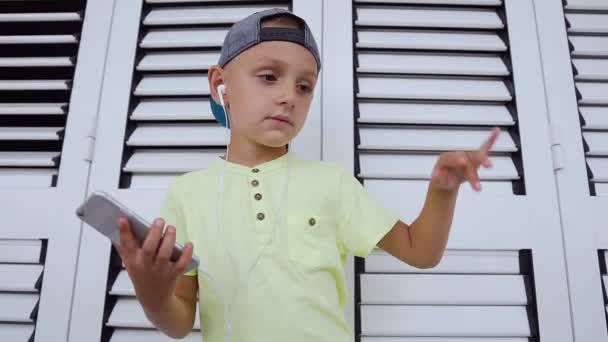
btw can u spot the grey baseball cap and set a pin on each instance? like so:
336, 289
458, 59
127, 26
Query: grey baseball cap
249, 32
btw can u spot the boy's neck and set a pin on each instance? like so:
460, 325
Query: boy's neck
254, 155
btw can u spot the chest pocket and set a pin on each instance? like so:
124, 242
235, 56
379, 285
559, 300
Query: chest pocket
312, 242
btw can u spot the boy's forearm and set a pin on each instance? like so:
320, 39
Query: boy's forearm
429, 232
174, 318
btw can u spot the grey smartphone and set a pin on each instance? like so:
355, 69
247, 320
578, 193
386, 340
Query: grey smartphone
100, 211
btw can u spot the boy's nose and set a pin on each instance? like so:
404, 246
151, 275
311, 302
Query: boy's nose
288, 96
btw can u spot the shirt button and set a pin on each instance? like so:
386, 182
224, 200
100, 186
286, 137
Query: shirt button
258, 197
256, 170
261, 216
312, 221
255, 182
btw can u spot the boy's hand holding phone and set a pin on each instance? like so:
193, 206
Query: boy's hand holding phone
153, 274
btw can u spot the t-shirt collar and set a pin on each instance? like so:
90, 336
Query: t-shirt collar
265, 167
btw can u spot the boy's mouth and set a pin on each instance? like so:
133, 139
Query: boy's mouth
281, 118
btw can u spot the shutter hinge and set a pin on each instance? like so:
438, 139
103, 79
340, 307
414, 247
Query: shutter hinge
90, 144
557, 153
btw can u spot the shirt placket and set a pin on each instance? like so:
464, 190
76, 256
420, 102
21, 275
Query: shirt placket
258, 196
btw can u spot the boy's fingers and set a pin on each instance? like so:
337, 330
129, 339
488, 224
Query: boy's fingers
127, 245
184, 260
472, 176
166, 246
486, 147
150, 245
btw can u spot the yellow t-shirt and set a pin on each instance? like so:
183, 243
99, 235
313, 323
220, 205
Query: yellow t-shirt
297, 290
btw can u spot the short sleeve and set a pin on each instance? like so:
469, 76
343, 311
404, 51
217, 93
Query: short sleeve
362, 220
172, 211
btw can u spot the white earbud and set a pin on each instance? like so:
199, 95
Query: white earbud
220, 89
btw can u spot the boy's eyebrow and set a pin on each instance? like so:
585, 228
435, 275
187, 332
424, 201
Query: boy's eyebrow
266, 59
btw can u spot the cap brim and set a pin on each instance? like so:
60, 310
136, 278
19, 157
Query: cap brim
218, 113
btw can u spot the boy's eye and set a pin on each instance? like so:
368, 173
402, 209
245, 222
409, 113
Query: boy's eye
305, 88
268, 77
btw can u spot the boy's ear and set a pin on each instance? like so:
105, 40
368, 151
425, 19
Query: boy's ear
215, 79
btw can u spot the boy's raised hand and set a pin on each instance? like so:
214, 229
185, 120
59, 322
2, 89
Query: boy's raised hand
453, 168
153, 274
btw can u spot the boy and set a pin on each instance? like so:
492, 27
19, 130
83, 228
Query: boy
272, 231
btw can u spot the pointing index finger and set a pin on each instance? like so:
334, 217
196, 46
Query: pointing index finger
488, 144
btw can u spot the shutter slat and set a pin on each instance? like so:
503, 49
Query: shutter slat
128, 313
39, 17
432, 89
591, 69
122, 285
25, 159
200, 15
152, 181
589, 46
586, 5
17, 307
39, 39
388, 320
587, 22
422, 40
34, 85
430, 139
19, 277
178, 135
435, 113
165, 85
164, 61
420, 166
172, 109
432, 64
595, 117
442, 289
176, 38
174, 161
418, 188
26, 178
593, 93
32, 108
598, 143
453, 261
137, 335
437, 2
16, 332
599, 168
20, 251
26, 62
30, 133
430, 18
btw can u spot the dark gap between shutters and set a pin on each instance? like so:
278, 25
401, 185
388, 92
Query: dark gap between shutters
603, 274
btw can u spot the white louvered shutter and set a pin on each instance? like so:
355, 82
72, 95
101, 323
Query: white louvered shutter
47, 51
574, 45
433, 76
155, 123
21, 266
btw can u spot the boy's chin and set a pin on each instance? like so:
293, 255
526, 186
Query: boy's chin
274, 141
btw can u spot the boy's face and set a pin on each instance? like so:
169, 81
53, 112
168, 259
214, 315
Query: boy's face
269, 88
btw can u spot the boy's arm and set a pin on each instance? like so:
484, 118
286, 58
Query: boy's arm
423, 243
